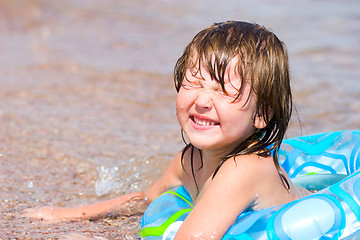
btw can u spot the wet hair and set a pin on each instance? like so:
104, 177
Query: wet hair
262, 63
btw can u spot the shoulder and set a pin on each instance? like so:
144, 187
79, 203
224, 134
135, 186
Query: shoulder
170, 178
182, 165
175, 168
246, 163
250, 170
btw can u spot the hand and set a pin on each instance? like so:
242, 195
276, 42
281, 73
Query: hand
48, 213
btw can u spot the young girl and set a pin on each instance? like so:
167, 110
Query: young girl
234, 104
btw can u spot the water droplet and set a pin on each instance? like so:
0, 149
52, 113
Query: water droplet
30, 184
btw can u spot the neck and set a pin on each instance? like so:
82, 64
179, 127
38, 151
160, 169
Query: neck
212, 159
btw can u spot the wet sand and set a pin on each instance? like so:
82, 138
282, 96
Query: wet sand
89, 84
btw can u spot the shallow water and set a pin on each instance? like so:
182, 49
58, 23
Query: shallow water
87, 84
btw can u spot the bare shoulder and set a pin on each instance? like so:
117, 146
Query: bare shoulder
244, 173
263, 179
170, 178
174, 171
255, 174
251, 164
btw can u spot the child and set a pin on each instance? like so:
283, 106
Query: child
234, 104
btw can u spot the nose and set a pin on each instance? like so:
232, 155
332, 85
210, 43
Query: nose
204, 100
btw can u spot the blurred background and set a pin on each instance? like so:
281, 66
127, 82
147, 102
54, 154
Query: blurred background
87, 97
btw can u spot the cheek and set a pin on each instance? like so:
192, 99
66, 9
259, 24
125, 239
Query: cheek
234, 116
184, 100
179, 103
180, 112
182, 104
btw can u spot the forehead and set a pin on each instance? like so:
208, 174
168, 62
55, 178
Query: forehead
217, 69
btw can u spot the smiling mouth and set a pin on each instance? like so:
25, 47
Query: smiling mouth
204, 122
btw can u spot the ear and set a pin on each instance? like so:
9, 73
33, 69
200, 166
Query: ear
259, 122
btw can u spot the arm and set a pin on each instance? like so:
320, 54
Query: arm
231, 192
53, 214
49, 213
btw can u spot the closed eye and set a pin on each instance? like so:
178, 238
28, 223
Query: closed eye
231, 97
192, 79
188, 84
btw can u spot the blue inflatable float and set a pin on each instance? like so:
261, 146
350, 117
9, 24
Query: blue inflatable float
327, 162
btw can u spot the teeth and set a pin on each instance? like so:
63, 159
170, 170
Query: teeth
203, 122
